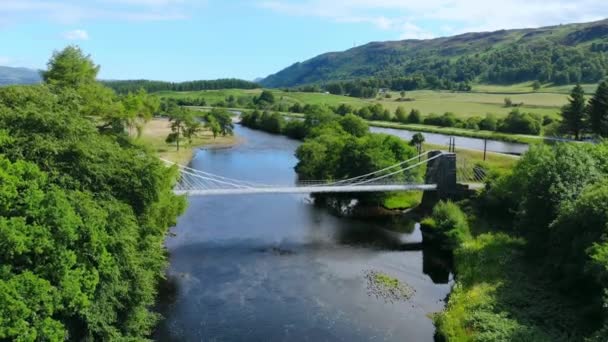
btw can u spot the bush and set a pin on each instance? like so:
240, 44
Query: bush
446, 120
489, 123
449, 223
521, 123
414, 117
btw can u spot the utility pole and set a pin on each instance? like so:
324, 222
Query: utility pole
485, 148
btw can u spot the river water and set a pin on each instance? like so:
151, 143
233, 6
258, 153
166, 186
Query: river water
277, 268
461, 142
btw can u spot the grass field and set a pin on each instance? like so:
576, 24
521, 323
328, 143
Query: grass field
526, 87
462, 104
155, 132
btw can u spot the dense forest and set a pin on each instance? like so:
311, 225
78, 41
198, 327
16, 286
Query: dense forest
83, 209
561, 54
123, 87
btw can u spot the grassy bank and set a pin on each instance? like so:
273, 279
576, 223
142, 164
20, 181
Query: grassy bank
155, 132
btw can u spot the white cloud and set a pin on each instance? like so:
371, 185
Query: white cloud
76, 35
74, 11
5, 61
415, 18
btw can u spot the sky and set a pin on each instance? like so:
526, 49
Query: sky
178, 40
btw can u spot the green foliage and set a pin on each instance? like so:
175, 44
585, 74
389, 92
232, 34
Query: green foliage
556, 199
521, 123
70, 68
83, 216
131, 86
345, 148
414, 117
574, 114
265, 99
354, 125
449, 224
598, 110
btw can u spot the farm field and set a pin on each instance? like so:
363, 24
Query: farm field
464, 105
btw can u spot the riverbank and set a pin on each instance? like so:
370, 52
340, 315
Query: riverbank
155, 132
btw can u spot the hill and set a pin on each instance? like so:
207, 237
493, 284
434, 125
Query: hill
9, 75
561, 54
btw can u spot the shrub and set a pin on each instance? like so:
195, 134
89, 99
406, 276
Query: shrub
449, 223
521, 123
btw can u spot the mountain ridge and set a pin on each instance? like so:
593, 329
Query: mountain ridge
18, 75
399, 58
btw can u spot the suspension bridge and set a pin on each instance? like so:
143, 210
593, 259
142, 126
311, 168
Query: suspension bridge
429, 171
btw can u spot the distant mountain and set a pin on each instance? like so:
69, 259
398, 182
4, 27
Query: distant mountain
10, 75
560, 54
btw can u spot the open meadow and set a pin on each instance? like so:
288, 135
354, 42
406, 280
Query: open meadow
464, 105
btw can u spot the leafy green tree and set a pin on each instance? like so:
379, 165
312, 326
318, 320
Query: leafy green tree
354, 125
82, 221
417, 140
489, 123
70, 67
265, 99
598, 110
213, 125
574, 114
414, 117
521, 123
400, 115
179, 119
224, 120
536, 85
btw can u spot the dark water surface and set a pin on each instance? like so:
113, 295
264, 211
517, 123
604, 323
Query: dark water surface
276, 268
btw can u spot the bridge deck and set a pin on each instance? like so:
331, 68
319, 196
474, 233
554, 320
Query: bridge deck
317, 189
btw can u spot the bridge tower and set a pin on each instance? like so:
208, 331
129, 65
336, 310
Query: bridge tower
443, 172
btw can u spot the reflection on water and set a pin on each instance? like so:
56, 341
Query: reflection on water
277, 268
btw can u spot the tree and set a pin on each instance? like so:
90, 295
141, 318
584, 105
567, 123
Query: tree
224, 120
213, 126
354, 125
414, 117
400, 115
70, 67
598, 110
536, 85
179, 119
417, 140
266, 98
508, 102
489, 123
574, 114
83, 216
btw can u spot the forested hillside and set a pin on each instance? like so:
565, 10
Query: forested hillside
10, 75
559, 54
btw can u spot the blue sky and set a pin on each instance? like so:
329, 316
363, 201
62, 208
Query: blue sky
178, 40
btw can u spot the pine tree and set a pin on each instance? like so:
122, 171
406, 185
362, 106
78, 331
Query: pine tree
598, 110
574, 114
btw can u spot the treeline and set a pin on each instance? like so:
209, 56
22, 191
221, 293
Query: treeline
580, 116
84, 209
537, 270
123, 87
371, 87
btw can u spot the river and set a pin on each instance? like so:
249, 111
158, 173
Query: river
277, 268
461, 142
